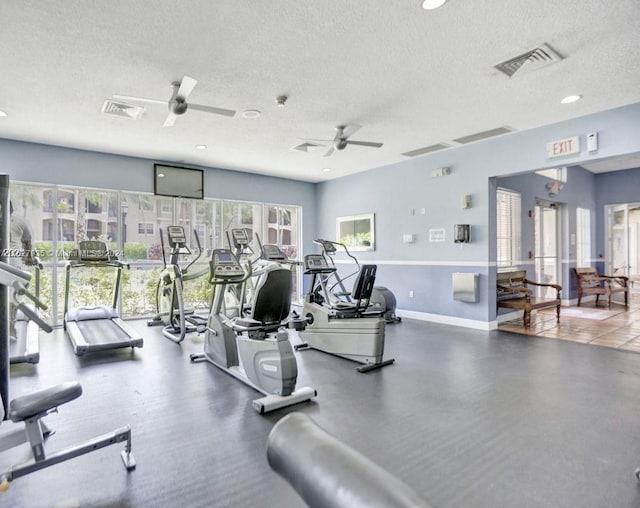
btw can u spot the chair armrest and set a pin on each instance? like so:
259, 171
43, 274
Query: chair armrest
620, 279
556, 286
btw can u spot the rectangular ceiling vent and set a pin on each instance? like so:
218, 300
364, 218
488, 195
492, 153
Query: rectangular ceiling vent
529, 61
307, 147
426, 149
118, 108
484, 135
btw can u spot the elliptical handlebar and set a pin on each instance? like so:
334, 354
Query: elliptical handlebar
199, 245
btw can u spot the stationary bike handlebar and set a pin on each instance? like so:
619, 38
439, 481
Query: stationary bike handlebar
16, 281
328, 253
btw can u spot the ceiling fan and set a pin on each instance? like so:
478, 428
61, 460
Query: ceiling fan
341, 139
178, 104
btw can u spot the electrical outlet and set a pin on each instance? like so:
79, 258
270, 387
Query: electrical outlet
411, 294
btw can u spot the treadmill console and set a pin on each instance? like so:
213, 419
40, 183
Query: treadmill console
176, 236
316, 263
224, 265
272, 252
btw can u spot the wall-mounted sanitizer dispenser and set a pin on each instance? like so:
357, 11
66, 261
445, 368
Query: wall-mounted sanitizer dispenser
461, 233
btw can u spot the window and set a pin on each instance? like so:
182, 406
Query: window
583, 237
94, 229
508, 228
165, 207
145, 228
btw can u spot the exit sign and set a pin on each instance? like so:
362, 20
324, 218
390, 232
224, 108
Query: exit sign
563, 147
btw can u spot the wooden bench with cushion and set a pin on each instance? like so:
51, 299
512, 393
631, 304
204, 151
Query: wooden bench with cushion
590, 283
513, 292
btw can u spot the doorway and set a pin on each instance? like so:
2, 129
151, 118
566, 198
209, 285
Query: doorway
622, 249
547, 246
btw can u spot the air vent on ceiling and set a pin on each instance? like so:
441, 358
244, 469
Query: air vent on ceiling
426, 149
531, 60
117, 108
484, 135
306, 147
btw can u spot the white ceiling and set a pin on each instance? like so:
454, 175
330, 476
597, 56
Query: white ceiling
614, 164
410, 77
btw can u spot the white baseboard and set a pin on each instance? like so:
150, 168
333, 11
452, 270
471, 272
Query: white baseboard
448, 320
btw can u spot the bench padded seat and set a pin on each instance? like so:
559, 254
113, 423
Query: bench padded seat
27, 406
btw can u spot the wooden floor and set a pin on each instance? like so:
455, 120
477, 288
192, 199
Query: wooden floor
467, 418
619, 331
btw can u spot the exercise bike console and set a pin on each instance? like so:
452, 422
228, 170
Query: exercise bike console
316, 263
225, 265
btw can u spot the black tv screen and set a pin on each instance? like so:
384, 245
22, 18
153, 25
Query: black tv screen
178, 182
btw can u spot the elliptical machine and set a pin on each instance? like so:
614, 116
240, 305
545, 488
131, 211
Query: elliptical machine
254, 348
382, 299
171, 312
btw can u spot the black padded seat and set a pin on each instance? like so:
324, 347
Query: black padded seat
27, 406
246, 323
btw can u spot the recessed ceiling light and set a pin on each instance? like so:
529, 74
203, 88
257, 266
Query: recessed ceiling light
2, 113
251, 113
571, 98
326, 170
201, 147
432, 4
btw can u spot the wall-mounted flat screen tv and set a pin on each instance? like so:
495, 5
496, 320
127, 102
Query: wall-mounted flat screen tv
178, 182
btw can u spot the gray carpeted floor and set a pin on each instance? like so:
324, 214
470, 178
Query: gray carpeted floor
467, 418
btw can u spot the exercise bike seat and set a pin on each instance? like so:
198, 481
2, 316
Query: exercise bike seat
27, 406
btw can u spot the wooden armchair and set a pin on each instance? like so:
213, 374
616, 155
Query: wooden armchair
513, 293
591, 283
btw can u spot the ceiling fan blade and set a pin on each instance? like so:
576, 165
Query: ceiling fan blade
211, 109
313, 139
365, 143
350, 130
329, 152
186, 87
171, 119
138, 99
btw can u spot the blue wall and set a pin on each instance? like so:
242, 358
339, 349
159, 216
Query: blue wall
615, 188
397, 194
393, 192
30, 162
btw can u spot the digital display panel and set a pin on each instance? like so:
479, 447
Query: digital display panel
178, 182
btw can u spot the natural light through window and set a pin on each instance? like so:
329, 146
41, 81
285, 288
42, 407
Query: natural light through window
508, 228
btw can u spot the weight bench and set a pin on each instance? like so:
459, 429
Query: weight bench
31, 408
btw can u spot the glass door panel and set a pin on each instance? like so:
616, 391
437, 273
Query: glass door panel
546, 247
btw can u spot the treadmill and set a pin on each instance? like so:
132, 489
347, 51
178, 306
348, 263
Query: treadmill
26, 347
98, 328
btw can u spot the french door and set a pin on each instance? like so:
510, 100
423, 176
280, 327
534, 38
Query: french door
547, 248
621, 222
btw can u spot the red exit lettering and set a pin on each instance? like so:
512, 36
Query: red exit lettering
562, 147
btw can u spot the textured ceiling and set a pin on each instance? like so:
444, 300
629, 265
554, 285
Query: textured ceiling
411, 78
